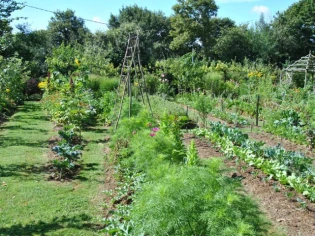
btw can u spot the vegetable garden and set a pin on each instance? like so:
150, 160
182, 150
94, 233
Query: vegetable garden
220, 142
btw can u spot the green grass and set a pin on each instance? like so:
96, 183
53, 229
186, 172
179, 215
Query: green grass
29, 203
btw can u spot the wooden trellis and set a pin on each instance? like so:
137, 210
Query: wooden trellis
131, 74
304, 65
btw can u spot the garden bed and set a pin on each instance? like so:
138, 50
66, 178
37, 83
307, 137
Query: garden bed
288, 215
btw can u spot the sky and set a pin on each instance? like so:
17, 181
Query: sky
240, 11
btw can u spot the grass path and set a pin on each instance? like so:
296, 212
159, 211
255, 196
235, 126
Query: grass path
31, 205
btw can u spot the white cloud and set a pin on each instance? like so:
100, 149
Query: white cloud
97, 18
261, 9
234, 1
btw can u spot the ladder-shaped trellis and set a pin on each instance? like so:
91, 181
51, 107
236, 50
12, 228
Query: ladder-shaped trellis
131, 74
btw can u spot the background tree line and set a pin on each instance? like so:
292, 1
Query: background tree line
194, 25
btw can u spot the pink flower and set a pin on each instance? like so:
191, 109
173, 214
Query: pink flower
155, 129
152, 134
149, 125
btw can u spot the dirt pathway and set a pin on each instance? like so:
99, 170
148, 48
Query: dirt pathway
288, 216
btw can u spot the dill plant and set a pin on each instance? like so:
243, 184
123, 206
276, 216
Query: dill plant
192, 200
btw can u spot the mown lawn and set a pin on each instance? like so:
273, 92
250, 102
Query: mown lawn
32, 205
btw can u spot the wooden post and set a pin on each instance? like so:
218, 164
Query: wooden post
222, 106
257, 110
187, 111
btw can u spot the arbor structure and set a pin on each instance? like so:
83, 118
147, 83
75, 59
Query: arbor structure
305, 65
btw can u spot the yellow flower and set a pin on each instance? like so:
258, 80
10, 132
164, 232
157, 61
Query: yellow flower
42, 85
255, 74
7, 90
77, 61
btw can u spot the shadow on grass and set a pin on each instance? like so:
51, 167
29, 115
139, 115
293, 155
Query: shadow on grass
87, 167
27, 107
20, 127
21, 170
16, 141
90, 166
27, 118
94, 130
41, 228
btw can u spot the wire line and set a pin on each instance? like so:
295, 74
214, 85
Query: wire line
54, 12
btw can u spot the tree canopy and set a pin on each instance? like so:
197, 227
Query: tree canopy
154, 30
65, 27
194, 25
6, 9
293, 31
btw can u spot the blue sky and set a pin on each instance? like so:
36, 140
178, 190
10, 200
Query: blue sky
241, 11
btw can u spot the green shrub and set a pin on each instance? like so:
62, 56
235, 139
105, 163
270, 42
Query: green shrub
214, 83
108, 84
204, 105
152, 83
102, 84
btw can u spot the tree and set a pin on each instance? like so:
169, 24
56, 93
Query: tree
6, 9
293, 31
67, 28
260, 36
32, 46
154, 30
194, 25
234, 44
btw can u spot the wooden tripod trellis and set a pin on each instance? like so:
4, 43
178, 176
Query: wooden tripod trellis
131, 74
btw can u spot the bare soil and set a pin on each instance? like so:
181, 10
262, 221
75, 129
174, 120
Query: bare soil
288, 215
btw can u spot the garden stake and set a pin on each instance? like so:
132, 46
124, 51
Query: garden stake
257, 109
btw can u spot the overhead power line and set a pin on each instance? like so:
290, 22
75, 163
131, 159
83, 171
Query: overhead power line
54, 12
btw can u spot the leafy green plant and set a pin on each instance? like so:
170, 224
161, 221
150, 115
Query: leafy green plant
69, 134
204, 106
290, 168
192, 157
68, 154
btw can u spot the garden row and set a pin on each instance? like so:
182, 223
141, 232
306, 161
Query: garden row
285, 121
165, 189
289, 168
